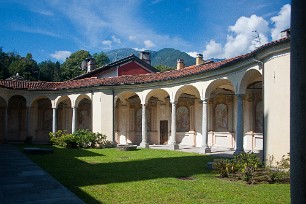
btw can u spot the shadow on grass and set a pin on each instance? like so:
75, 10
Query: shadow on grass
77, 167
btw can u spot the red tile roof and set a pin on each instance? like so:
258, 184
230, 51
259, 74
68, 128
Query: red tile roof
132, 79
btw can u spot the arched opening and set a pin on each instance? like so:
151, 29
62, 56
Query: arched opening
64, 114
188, 116
17, 111
158, 105
221, 103
41, 120
251, 86
2, 118
128, 118
84, 114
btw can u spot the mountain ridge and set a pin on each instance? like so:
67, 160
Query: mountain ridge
166, 56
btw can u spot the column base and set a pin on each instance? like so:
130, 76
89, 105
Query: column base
238, 151
144, 145
173, 146
207, 149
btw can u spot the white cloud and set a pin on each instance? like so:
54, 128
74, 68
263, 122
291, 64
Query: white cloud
116, 40
213, 50
148, 44
132, 37
241, 38
61, 55
281, 21
107, 43
139, 49
192, 54
95, 22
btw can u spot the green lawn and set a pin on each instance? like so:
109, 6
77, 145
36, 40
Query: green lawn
150, 176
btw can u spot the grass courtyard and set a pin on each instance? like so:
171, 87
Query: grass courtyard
150, 176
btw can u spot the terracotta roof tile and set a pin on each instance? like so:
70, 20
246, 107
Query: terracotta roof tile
131, 79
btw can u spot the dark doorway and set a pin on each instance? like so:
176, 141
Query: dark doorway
163, 132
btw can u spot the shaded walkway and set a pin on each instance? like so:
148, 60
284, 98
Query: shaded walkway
22, 181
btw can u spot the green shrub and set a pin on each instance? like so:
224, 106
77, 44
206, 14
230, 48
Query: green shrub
63, 139
247, 164
279, 173
243, 165
80, 139
225, 167
84, 138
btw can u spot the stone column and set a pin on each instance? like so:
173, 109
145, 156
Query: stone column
204, 127
239, 125
298, 103
144, 142
173, 145
54, 120
74, 110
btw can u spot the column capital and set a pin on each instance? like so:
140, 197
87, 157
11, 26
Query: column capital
205, 100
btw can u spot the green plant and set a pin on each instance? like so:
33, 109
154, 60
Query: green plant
247, 164
225, 167
84, 138
279, 173
63, 139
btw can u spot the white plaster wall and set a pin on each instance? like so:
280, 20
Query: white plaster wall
277, 106
102, 113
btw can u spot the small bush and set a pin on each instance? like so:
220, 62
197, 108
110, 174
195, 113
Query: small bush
247, 164
225, 167
63, 139
80, 139
279, 173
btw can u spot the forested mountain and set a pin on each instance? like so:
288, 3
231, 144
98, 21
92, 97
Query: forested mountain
166, 57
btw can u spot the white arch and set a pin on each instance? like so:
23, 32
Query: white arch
251, 76
38, 98
158, 93
60, 99
190, 89
223, 83
80, 98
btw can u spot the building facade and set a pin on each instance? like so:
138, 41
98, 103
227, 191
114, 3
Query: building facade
242, 103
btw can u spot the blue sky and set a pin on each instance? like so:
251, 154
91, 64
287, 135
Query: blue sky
53, 29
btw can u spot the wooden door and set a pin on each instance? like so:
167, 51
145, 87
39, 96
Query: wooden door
163, 132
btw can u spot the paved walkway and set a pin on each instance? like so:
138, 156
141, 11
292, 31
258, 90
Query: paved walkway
217, 151
22, 181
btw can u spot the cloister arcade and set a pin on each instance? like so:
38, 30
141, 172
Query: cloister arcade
208, 113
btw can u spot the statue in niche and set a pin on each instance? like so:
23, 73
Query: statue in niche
221, 117
259, 117
182, 119
139, 120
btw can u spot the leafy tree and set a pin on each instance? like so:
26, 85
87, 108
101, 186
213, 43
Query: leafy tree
163, 68
25, 67
5, 60
71, 67
49, 71
101, 59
